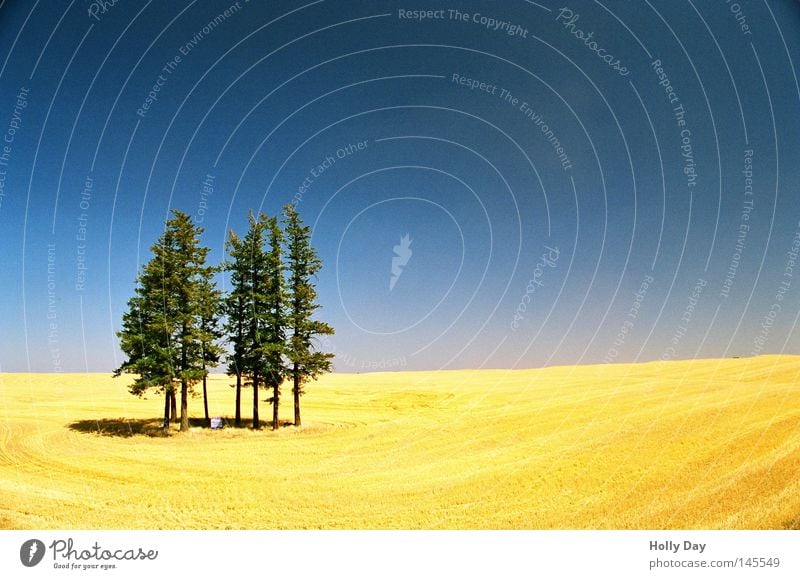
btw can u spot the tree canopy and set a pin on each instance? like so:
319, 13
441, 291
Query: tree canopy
162, 334
302, 264
178, 324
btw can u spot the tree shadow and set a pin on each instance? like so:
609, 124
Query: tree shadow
153, 427
122, 427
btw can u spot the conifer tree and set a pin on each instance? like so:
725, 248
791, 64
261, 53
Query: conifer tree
274, 335
302, 265
210, 332
248, 305
160, 333
236, 312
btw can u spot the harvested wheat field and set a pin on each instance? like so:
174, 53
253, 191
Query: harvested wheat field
711, 444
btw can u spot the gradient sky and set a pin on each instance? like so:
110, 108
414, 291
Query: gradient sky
521, 255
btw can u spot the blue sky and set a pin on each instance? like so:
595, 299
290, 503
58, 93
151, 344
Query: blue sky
582, 182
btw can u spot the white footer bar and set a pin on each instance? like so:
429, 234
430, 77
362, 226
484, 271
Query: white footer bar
407, 554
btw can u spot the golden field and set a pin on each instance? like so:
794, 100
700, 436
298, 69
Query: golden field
711, 444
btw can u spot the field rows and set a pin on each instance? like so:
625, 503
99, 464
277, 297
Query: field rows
696, 444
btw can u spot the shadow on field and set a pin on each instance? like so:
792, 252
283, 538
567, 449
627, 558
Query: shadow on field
127, 427
122, 427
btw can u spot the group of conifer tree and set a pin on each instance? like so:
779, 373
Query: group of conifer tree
178, 324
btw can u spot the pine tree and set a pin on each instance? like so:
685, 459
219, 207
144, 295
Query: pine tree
302, 265
139, 339
236, 312
274, 336
209, 312
248, 304
161, 333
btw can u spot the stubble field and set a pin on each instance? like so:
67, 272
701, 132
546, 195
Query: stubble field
709, 444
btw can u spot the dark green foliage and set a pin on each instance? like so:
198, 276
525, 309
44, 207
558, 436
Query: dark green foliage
210, 330
236, 312
162, 334
302, 265
255, 309
274, 345
173, 326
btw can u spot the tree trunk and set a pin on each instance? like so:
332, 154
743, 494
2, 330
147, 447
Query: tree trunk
184, 405
173, 405
238, 398
275, 406
205, 402
184, 383
296, 391
256, 422
166, 411
238, 366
